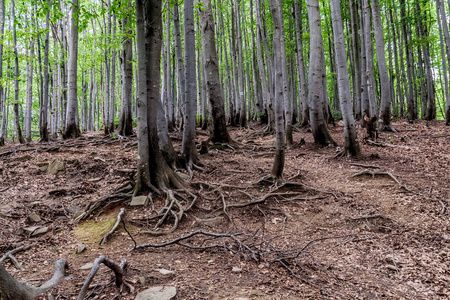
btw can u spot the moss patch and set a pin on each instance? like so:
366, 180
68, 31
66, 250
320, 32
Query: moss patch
92, 232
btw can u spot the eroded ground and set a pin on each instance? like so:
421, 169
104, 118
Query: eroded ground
362, 237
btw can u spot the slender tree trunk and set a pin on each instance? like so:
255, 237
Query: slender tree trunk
386, 97
16, 80
125, 127
351, 147
71, 129
259, 103
29, 94
112, 93
303, 90
181, 72
188, 150
356, 56
43, 125
280, 90
215, 96
444, 64
169, 105
316, 75
286, 101
2, 99
409, 62
370, 110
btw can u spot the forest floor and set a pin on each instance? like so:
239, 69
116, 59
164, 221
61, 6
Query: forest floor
372, 228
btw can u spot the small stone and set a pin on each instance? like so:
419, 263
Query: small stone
80, 248
139, 201
183, 176
22, 158
34, 217
40, 231
166, 272
94, 179
142, 280
87, 266
236, 270
43, 168
55, 167
30, 230
157, 293
35, 230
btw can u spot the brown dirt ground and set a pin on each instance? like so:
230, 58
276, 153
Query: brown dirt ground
372, 239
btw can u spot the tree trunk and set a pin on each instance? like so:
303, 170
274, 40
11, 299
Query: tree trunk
444, 64
43, 111
29, 93
370, 107
16, 80
356, 56
316, 99
303, 90
409, 61
351, 147
181, 72
2, 99
280, 89
386, 97
72, 130
214, 89
112, 93
188, 150
125, 127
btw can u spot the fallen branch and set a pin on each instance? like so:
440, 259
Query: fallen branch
118, 270
382, 144
119, 218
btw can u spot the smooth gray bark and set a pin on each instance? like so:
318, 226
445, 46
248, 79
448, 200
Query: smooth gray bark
351, 147
316, 78
215, 96
71, 129
43, 110
188, 149
280, 89
386, 97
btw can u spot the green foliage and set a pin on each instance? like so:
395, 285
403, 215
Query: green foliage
337, 115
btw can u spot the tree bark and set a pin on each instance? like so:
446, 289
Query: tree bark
214, 89
386, 97
351, 147
72, 130
188, 149
280, 90
16, 80
316, 99
303, 89
444, 65
125, 127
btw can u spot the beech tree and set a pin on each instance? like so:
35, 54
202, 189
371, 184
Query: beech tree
72, 129
351, 147
316, 75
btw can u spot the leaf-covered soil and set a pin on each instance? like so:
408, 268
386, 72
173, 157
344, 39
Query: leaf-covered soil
353, 237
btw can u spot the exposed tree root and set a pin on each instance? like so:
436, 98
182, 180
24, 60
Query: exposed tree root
388, 174
102, 203
364, 166
119, 219
11, 289
173, 207
10, 255
373, 174
250, 246
118, 270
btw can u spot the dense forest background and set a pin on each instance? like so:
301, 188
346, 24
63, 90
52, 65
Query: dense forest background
35, 40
